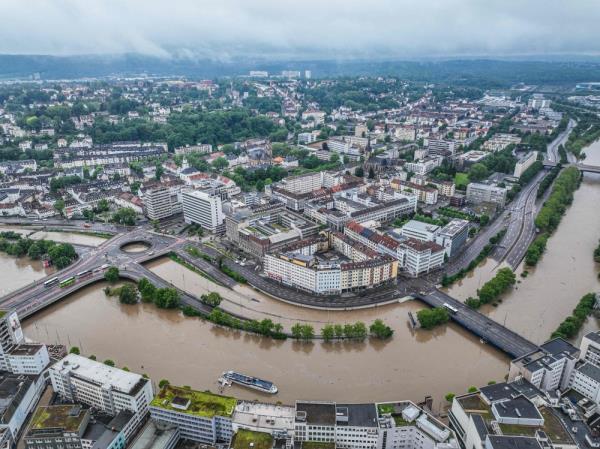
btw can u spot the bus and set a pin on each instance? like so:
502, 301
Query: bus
84, 273
51, 282
450, 308
66, 282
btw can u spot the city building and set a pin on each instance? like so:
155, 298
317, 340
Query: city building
500, 141
60, 426
420, 231
453, 236
507, 415
28, 359
199, 416
524, 163
11, 335
478, 193
157, 203
108, 389
203, 208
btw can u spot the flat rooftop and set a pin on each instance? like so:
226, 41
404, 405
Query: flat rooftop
99, 373
26, 349
316, 413
68, 417
200, 403
262, 415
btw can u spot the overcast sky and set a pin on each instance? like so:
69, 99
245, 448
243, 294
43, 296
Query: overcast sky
225, 29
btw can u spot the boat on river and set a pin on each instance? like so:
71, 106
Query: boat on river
251, 382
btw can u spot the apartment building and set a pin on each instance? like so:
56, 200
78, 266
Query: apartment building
422, 193
203, 208
441, 147
500, 141
423, 166
109, 389
421, 257
200, 416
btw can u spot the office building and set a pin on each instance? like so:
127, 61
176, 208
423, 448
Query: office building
508, 415
199, 416
108, 389
453, 236
203, 208
11, 335
524, 163
420, 231
28, 359
478, 193
157, 203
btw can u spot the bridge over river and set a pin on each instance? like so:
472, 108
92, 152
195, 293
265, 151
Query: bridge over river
36, 296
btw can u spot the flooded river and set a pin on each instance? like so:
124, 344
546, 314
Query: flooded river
412, 364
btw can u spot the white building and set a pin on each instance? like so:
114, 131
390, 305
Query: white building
419, 230
157, 203
111, 390
485, 193
524, 163
11, 335
199, 416
28, 359
203, 208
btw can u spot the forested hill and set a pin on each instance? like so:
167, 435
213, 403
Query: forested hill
486, 73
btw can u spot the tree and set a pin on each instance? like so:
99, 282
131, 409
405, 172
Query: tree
147, 290
128, 294
449, 397
112, 274
109, 362
74, 350
328, 332
338, 330
159, 172
371, 173
360, 172
102, 205
380, 330
92, 357
212, 299
472, 389
335, 157
59, 206
477, 172
124, 216
429, 318
163, 383
220, 163
166, 298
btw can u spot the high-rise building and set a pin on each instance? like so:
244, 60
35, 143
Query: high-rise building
157, 203
203, 208
307, 74
110, 390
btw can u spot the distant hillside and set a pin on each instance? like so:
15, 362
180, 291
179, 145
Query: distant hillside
485, 73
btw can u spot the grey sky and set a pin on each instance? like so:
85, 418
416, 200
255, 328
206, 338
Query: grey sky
224, 29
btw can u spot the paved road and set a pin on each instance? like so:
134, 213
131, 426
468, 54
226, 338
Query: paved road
488, 330
552, 151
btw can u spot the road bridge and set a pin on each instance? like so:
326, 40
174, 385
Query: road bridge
483, 327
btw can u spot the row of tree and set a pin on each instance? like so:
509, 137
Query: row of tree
492, 289
60, 255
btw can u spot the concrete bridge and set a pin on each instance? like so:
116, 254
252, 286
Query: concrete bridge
483, 327
36, 296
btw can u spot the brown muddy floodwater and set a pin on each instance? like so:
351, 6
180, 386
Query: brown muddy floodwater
566, 272
75, 238
188, 351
